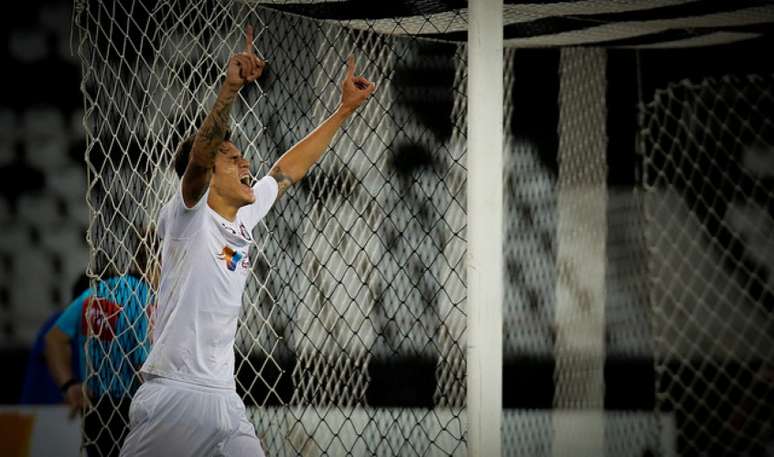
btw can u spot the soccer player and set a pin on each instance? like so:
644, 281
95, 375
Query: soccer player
188, 405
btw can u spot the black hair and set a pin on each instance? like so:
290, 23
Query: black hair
80, 285
183, 152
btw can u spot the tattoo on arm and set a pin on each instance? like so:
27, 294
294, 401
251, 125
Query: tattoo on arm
213, 130
205, 147
283, 181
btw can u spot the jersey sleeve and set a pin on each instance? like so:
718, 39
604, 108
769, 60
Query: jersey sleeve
177, 221
265, 191
70, 320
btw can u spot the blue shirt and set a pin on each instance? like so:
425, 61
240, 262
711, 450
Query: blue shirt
117, 320
39, 386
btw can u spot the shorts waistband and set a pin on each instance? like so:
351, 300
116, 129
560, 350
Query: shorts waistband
163, 380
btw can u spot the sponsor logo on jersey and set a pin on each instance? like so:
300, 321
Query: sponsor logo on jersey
231, 257
245, 233
242, 231
100, 317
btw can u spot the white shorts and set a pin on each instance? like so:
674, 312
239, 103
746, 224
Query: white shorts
174, 418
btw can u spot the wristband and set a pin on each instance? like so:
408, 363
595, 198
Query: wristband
71, 382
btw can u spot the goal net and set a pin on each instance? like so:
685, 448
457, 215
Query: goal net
708, 164
352, 336
350, 340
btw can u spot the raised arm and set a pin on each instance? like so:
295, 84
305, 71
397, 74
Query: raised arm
293, 165
242, 68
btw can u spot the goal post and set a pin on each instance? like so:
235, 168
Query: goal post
463, 219
485, 227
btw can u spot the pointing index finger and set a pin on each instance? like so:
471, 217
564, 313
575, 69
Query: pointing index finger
249, 39
351, 66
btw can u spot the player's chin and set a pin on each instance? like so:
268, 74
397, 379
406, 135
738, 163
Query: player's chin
247, 195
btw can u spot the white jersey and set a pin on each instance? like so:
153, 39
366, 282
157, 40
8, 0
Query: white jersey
204, 268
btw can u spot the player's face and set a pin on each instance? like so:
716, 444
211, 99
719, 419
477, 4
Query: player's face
231, 178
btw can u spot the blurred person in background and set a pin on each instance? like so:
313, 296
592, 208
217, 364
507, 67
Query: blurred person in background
39, 386
112, 330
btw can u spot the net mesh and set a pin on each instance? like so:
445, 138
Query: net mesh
581, 257
358, 270
707, 149
351, 339
573, 250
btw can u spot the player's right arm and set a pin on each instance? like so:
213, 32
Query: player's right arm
242, 68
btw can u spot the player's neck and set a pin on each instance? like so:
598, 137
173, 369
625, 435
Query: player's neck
227, 210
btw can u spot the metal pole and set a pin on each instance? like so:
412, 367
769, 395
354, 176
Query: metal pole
485, 227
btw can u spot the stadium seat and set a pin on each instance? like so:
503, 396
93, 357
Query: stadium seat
7, 152
39, 210
28, 45
8, 135
56, 19
48, 153
5, 213
74, 262
13, 236
69, 183
63, 238
31, 265
77, 212
31, 299
46, 138
8, 125
43, 122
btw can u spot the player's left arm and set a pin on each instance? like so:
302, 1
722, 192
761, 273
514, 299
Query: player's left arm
293, 164
58, 354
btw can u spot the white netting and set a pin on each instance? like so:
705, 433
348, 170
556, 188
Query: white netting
351, 337
708, 150
358, 272
571, 259
581, 257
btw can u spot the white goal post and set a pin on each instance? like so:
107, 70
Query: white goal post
485, 227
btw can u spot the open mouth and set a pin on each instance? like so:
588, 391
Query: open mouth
246, 180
